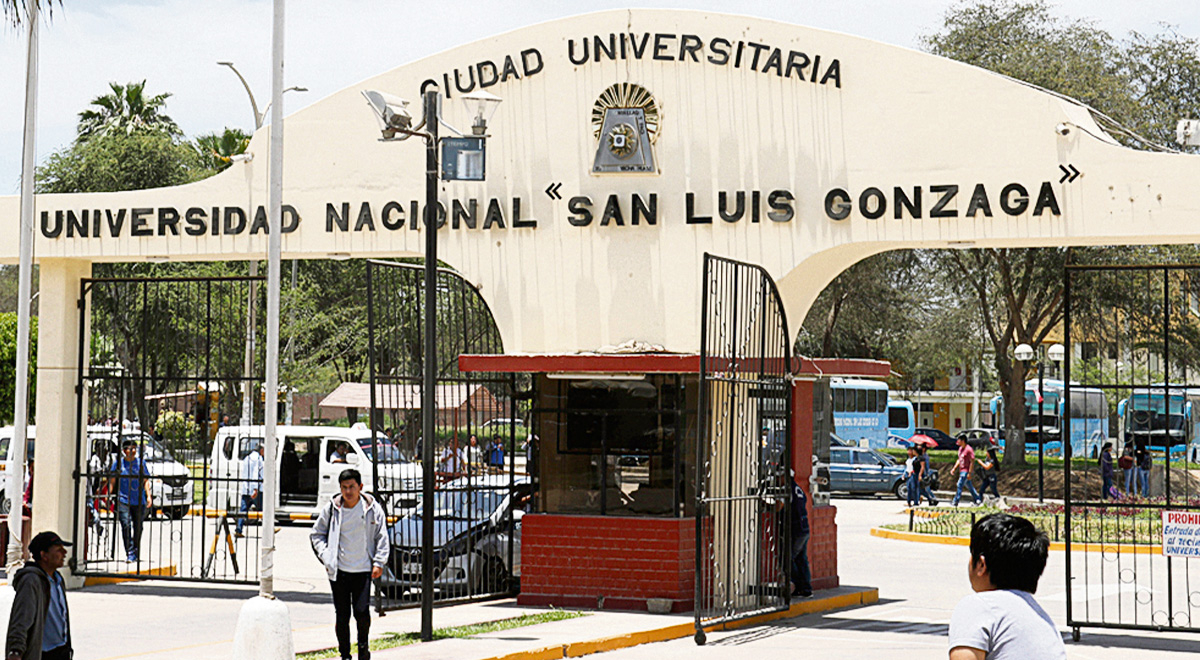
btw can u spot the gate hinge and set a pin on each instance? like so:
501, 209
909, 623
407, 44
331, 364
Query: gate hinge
78, 389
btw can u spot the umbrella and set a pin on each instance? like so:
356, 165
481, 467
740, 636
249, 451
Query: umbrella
922, 439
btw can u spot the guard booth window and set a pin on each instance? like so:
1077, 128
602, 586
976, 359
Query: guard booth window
616, 446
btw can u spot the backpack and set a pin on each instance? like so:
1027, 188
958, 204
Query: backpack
1125, 462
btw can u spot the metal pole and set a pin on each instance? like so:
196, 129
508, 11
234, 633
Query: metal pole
16, 462
248, 370
429, 382
1041, 436
274, 247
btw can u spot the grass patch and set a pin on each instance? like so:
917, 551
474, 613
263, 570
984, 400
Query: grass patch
1089, 524
392, 640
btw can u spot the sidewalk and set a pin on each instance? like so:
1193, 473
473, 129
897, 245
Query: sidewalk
597, 632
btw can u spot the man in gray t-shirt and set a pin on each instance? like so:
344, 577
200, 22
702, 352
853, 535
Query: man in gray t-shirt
350, 539
1001, 620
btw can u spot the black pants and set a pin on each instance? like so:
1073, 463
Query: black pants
801, 574
59, 653
352, 592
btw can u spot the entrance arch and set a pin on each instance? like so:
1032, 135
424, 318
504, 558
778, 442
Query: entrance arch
797, 149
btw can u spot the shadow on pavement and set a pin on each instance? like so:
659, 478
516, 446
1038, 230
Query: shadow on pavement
221, 593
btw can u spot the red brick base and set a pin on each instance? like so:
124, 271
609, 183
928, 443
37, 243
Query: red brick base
607, 562
822, 547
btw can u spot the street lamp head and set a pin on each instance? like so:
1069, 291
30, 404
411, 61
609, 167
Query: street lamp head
225, 63
296, 88
481, 106
391, 112
1023, 352
1056, 352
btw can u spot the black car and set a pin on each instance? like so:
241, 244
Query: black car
943, 440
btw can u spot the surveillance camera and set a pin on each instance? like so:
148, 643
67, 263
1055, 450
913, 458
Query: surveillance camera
392, 113
1063, 128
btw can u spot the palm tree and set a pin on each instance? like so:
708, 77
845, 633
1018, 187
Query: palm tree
15, 10
126, 109
216, 149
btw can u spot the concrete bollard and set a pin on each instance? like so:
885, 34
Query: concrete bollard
264, 631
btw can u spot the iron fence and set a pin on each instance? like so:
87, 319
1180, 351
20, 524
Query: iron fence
162, 363
483, 482
743, 489
1132, 335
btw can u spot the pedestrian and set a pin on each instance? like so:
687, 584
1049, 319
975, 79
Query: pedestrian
1001, 620
1143, 465
1106, 472
1128, 465
39, 624
532, 453
131, 482
251, 487
925, 477
350, 539
496, 454
473, 453
964, 467
801, 572
912, 477
989, 470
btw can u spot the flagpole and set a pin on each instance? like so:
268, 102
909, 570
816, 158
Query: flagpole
16, 458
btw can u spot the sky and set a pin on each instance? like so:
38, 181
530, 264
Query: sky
175, 44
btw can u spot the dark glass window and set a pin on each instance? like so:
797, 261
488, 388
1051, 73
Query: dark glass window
616, 446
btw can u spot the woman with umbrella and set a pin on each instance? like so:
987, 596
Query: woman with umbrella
921, 466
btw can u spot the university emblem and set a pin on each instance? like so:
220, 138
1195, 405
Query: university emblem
625, 121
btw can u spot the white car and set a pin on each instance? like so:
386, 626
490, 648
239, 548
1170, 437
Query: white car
6, 435
308, 464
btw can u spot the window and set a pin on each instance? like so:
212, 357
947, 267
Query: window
898, 418
839, 400
860, 401
618, 446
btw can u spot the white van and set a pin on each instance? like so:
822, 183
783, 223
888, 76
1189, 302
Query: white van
6, 435
171, 485
307, 466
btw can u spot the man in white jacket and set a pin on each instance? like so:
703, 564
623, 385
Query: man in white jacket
350, 539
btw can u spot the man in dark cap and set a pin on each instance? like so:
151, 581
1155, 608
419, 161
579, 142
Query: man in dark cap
39, 624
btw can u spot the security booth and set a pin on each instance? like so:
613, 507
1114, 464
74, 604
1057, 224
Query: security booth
613, 524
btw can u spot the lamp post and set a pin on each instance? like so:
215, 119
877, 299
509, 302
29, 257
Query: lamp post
395, 125
247, 416
1025, 353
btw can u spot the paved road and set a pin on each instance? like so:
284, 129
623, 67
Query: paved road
919, 585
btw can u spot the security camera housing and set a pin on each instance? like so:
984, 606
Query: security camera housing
392, 113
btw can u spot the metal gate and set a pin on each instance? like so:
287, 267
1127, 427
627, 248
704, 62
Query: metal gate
482, 486
1132, 335
162, 361
743, 488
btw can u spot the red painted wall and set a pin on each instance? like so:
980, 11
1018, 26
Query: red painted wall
607, 562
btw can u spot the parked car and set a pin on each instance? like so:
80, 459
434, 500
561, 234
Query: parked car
472, 529
6, 435
981, 437
943, 439
171, 487
860, 470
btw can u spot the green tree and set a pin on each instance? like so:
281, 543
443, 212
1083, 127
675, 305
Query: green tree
8, 363
217, 149
117, 161
127, 110
1133, 87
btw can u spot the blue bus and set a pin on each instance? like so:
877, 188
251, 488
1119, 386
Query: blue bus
1088, 417
902, 420
1146, 420
860, 411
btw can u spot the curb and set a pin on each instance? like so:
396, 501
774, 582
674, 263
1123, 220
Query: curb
1118, 548
865, 596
